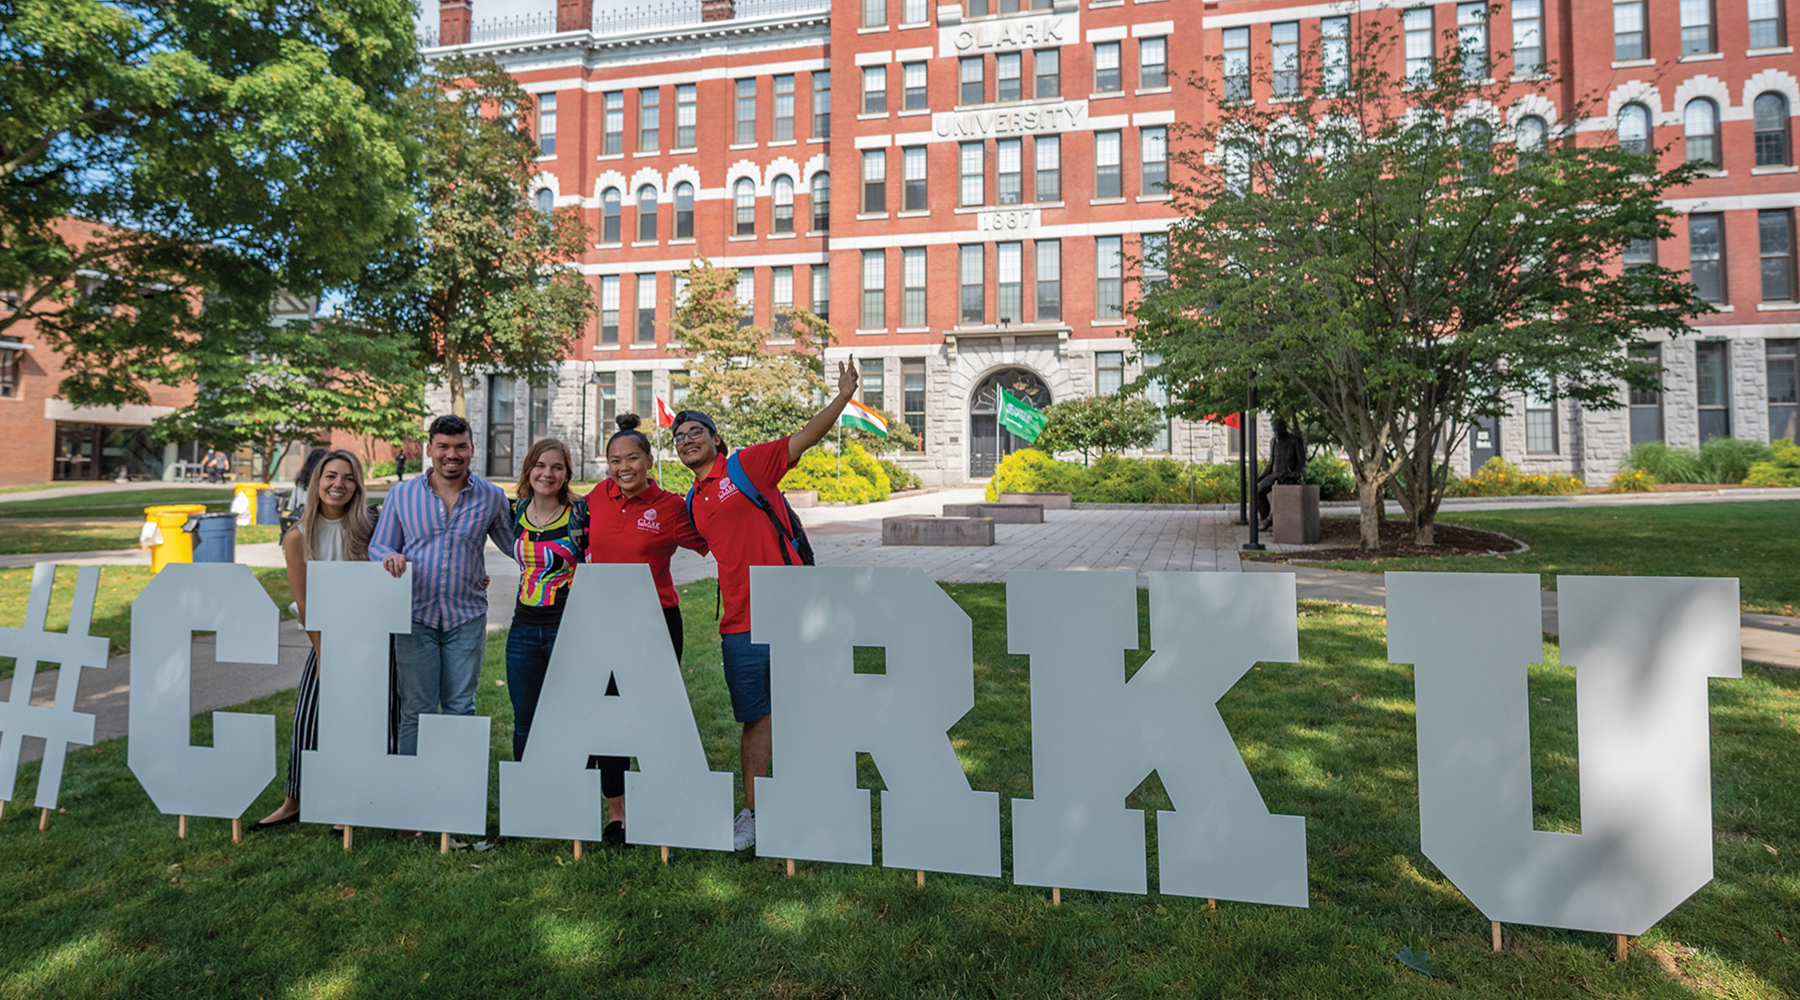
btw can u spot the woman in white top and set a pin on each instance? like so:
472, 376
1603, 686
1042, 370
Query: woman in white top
334, 526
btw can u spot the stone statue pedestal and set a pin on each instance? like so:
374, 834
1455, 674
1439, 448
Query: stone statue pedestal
1296, 513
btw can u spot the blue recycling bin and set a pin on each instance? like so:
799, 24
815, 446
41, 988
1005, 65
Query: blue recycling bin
215, 537
268, 508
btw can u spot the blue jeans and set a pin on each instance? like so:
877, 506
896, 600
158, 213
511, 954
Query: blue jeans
746, 675
437, 666
527, 659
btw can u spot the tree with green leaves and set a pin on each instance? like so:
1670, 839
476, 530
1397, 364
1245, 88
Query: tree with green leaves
488, 283
1100, 424
156, 159
1394, 258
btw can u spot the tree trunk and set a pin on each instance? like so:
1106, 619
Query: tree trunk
1369, 495
1424, 530
459, 406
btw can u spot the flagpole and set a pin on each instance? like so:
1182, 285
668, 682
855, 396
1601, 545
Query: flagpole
840, 454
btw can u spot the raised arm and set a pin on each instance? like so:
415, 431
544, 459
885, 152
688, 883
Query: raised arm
822, 422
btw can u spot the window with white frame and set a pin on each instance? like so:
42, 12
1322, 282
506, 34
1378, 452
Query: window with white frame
1047, 65
1047, 279
1540, 424
874, 90
1334, 52
1420, 44
1236, 64
1047, 184
609, 309
1472, 40
1630, 38
1107, 79
972, 277
821, 291
1697, 33
784, 107
973, 184
649, 119
1153, 142
546, 130
1528, 37
874, 291
1009, 175
1284, 59
916, 196
1108, 174
781, 198
914, 80
1009, 282
612, 141
1767, 30
1153, 63
685, 116
743, 200
1109, 277
646, 308
781, 300
874, 200
1007, 81
744, 128
912, 286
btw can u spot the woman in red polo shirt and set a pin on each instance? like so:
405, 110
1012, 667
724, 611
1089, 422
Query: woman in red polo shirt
633, 520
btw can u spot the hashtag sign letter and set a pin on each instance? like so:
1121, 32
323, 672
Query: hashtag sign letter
59, 724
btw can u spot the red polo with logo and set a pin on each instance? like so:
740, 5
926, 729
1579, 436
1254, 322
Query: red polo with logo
737, 530
646, 528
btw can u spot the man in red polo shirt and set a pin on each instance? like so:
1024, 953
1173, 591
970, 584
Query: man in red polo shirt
741, 536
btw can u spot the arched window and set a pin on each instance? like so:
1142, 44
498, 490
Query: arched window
821, 202
684, 211
646, 214
545, 200
1478, 145
743, 199
784, 204
1700, 122
1774, 147
1531, 134
1634, 129
609, 215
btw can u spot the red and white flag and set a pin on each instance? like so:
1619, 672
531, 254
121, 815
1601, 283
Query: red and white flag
663, 417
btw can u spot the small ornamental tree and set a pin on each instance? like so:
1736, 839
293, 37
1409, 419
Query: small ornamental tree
1393, 258
1099, 424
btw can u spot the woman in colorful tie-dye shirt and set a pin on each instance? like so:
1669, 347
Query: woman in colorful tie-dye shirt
550, 529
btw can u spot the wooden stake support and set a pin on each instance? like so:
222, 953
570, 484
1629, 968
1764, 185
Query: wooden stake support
237, 830
44, 820
346, 836
578, 850
790, 868
181, 827
1619, 947
1494, 929
444, 843
1212, 904
921, 874
1055, 895
665, 854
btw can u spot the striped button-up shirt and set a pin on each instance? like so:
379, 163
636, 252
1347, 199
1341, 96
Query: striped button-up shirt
444, 547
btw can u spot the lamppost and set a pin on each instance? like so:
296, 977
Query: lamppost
593, 379
1248, 424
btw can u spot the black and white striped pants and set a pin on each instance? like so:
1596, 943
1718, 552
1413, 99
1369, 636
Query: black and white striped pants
306, 716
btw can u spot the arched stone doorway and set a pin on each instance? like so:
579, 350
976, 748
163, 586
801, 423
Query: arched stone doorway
988, 441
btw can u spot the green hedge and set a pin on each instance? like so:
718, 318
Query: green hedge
1782, 468
1720, 460
858, 479
1112, 479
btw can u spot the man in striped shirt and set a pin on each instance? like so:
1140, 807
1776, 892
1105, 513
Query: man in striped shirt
439, 523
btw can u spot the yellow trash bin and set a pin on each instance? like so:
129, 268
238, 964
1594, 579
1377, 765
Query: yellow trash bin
168, 543
246, 509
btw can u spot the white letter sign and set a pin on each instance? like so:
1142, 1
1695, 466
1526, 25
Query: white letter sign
823, 713
1096, 736
1642, 649
57, 723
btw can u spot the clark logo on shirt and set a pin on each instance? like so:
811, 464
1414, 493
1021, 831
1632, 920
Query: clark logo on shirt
648, 522
727, 489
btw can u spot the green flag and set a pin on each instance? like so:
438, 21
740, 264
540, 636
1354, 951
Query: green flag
1020, 417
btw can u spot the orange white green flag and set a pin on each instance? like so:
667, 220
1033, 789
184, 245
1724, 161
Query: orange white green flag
859, 417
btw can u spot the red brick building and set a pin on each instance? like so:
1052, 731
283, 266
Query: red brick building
965, 192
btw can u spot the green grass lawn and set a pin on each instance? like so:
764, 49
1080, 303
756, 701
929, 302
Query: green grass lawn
34, 487
74, 536
124, 503
119, 586
109, 903
1757, 542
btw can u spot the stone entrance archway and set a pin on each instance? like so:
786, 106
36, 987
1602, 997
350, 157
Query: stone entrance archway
988, 442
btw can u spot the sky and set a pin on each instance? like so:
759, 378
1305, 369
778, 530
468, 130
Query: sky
488, 9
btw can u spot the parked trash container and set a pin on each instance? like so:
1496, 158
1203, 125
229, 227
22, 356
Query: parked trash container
244, 503
163, 534
268, 507
215, 537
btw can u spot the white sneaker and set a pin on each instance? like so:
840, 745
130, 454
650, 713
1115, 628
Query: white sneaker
743, 831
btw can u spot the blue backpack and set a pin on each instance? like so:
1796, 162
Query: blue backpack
795, 549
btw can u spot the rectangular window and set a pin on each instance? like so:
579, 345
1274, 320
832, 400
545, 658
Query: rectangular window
9, 371
609, 309
1048, 280
821, 203
1765, 24
874, 90
1106, 68
1472, 40
546, 131
874, 181
649, 119
1153, 63
1007, 73
1154, 150
613, 134
745, 132
1697, 36
912, 286
914, 80
1154, 265
1109, 372
1775, 237
784, 107
1712, 388
1334, 52
1782, 372
912, 165
977, 8
874, 13
821, 291
781, 300
1237, 64
1540, 425
1646, 404
915, 12
1109, 277
1284, 59
646, 308
973, 72
821, 104
678, 389
1629, 39
972, 276
1009, 171
874, 291
1108, 176
1528, 37
609, 405
1706, 256
874, 394
1638, 253
1049, 168
1157, 394
974, 173
746, 296
1047, 64
1009, 283
684, 116
912, 389
1420, 45
643, 386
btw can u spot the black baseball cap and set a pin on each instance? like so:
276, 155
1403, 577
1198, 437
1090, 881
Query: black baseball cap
695, 416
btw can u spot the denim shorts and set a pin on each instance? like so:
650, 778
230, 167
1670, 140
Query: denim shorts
747, 675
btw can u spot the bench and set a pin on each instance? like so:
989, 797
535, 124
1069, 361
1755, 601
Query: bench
926, 530
999, 513
1049, 501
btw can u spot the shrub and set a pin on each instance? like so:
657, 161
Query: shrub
379, 469
1499, 478
1631, 481
1719, 460
860, 479
1781, 469
1664, 464
1029, 470
899, 476
1112, 479
671, 475
1728, 460
1332, 475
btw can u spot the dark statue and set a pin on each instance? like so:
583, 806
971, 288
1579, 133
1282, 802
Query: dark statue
1286, 467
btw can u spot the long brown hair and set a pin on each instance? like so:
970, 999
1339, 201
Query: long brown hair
523, 490
358, 525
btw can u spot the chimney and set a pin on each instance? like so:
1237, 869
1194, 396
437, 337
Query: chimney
453, 22
717, 10
574, 15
